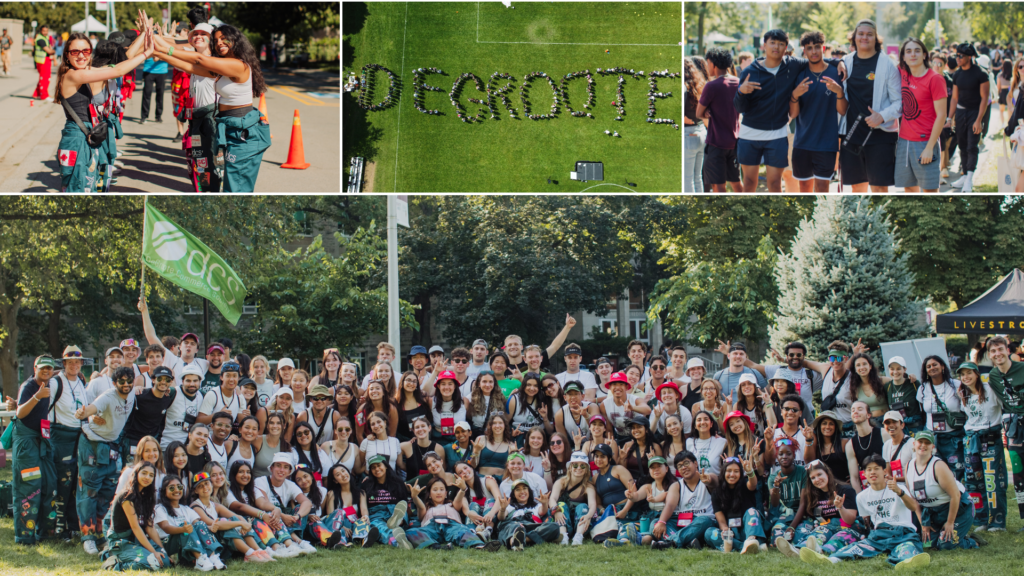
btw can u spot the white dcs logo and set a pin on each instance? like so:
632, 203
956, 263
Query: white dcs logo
169, 241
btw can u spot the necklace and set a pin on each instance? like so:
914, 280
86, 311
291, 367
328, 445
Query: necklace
870, 436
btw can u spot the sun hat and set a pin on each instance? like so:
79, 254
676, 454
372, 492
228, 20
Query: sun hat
579, 457
738, 414
669, 384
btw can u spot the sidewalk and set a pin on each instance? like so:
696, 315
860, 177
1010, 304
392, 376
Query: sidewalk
151, 162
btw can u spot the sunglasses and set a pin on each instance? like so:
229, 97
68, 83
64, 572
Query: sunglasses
486, 373
320, 399
580, 465
326, 350
790, 409
303, 434
837, 358
301, 466
657, 367
175, 488
556, 442
164, 379
733, 459
123, 380
344, 429
85, 52
74, 354
460, 361
794, 355
784, 442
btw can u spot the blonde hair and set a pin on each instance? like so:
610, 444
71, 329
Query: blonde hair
159, 464
385, 346
221, 494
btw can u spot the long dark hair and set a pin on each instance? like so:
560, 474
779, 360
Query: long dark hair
314, 488
837, 437
430, 484
521, 400
247, 493
417, 394
693, 78
715, 429
730, 495
811, 494
324, 376
183, 474
353, 405
1007, 71
902, 63
65, 62
477, 487
313, 460
393, 483
965, 390
439, 399
164, 500
334, 488
243, 50
144, 499
282, 444
873, 379
946, 376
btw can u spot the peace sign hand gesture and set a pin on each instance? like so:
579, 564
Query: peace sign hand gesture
802, 88
704, 477
748, 464
631, 489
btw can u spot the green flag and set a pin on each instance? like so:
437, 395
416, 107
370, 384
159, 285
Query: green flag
184, 260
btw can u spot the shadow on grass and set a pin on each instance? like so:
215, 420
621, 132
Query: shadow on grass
348, 53
358, 138
353, 17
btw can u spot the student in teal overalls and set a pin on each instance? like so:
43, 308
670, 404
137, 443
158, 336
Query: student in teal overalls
35, 479
77, 83
243, 134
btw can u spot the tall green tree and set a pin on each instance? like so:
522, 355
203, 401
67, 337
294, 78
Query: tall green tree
957, 246
845, 280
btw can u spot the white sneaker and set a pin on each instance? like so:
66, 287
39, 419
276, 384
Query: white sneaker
959, 182
90, 547
812, 543
215, 560
577, 540
203, 564
288, 551
968, 183
153, 562
306, 547
565, 539
274, 553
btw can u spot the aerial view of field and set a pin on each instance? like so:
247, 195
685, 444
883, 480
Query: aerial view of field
506, 62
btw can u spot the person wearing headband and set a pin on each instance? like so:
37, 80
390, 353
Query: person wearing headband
787, 483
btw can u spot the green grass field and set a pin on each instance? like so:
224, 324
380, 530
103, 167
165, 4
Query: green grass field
416, 152
1001, 557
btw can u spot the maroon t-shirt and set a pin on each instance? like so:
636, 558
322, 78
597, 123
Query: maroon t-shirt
724, 125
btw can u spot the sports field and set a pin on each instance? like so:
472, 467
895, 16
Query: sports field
417, 152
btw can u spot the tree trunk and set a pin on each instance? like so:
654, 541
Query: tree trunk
421, 336
53, 329
700, 27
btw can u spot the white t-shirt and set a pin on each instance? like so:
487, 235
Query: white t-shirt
472, 370
884, 506
215, 401
264, 391
72, 397
843, 400
390, 448
287, 491
708, 452
537, 484
983, 415
905, 455
933, 403
114, 412
180, 416
183, 515
583, 377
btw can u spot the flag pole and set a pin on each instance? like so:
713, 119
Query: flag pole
206, 324
142, 283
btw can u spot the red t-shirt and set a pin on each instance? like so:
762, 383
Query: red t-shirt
919, 96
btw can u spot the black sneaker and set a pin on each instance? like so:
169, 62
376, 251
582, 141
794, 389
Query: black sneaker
695, 544
981, 541
661, 545
333, 540
492, 546
159, 121
371, 537
518, 540
177, 138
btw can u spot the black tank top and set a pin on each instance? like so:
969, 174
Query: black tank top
405, 418
79, 102
873, 445
836, 462
415, 464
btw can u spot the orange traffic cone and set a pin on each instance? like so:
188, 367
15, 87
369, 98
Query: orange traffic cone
296, 155
263, 110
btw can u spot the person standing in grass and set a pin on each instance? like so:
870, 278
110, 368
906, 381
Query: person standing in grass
983, 449
1007, 381
32, 458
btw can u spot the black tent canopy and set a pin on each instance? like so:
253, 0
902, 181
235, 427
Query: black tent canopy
999, 310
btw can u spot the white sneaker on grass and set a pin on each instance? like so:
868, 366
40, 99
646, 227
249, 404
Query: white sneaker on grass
90, 547
307, 547
203, 564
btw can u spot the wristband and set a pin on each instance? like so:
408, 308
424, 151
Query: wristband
794, 100
170, 51
809, 442
751, 474
659, 522
768, 404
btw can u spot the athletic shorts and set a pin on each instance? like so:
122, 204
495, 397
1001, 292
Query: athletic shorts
910, 171
809, 164
720, 165
1002, 96
772, 153
876, 164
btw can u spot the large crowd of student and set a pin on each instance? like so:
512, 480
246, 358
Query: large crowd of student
201, 461
844, 111
367, 81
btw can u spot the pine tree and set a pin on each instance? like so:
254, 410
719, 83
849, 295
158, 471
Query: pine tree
843, 280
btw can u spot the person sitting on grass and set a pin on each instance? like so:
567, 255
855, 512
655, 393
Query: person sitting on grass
441, 524
522, 518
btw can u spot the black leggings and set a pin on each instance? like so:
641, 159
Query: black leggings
967, 139
149, 79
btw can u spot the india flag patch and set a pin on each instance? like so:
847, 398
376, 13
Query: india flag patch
30, 474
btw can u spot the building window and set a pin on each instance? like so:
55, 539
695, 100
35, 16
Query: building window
609, 327
636, 332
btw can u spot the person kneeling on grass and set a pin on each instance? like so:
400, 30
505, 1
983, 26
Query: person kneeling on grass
522, 518
946, 515
889, 510
735, 504
828, 515
441, 524
184, 535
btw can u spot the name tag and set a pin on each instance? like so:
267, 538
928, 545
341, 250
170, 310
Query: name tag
938, 425
735, 522
897, 470
44, 428
685, 519
350, 513
447, 425
440, 520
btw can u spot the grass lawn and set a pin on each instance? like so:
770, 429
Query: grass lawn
1001, 557
416, 152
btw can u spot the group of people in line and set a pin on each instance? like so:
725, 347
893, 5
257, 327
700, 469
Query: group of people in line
530, 76
418, 86
591, 92
366, 84
200, 461
873, 119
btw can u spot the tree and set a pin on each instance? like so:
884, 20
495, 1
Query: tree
996, 21
308, 299
720, 254
845, 280
499, 265
727, 300
833, 19
958, 246
725, 17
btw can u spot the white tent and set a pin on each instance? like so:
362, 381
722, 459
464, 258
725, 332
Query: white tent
94, 26
719, 38
215, 22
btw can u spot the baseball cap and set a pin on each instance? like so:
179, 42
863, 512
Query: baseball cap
45, 361
573, 349
112, 349
214, 348
737, 346
573, 387
129, 343
161, 371
892, 415
656, 460
247, 382
927, 435
463, 426
480, 342
285, 363
898, 360
968, 366
230, 366
188, 335
603, 449
417, 350
202, 27
377, 459
192, 369
436, 349
283, 391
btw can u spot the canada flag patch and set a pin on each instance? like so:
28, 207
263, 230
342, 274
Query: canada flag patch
67, 157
